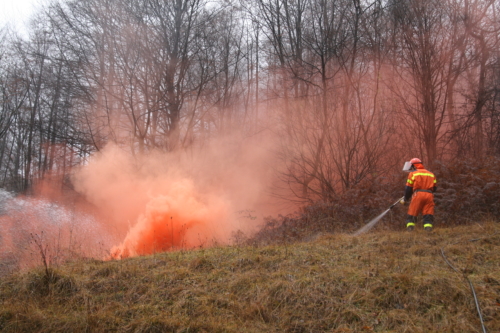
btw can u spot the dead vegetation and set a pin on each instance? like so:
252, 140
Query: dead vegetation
378, 282
468, 192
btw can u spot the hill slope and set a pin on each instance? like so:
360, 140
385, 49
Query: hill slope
378, 282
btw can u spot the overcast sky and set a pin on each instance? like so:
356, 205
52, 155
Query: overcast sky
17, 12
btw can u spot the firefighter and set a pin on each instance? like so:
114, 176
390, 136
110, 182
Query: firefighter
420, 186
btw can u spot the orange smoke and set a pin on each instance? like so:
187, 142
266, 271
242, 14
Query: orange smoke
31, 224
177, 220
169, 201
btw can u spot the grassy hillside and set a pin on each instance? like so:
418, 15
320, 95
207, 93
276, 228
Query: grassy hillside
378, 282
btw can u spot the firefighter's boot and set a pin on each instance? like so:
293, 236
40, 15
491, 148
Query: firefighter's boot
410, 222
428, 219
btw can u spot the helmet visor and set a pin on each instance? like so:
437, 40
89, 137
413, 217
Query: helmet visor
407, 166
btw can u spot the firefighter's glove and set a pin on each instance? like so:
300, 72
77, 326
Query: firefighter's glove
402, 201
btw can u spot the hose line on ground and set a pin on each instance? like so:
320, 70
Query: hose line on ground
471, 288
469, 281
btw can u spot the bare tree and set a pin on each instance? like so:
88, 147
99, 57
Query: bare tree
340, 79
423, 50
483, 35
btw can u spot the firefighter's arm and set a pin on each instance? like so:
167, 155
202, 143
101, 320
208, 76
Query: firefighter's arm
408, 192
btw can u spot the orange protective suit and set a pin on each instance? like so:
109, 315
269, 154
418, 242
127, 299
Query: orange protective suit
420, 186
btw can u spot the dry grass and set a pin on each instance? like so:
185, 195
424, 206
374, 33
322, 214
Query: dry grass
378, 282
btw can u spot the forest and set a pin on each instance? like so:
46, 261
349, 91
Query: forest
346, 90
138, 138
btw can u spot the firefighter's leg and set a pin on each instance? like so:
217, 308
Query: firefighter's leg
428, 213
428, 220
410, 222
413, 211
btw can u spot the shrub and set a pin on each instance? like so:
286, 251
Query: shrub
468, 191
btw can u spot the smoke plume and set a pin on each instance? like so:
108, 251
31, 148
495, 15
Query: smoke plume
166, 201
32, 225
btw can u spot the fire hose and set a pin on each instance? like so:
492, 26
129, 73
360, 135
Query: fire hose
372, 223
471, 286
